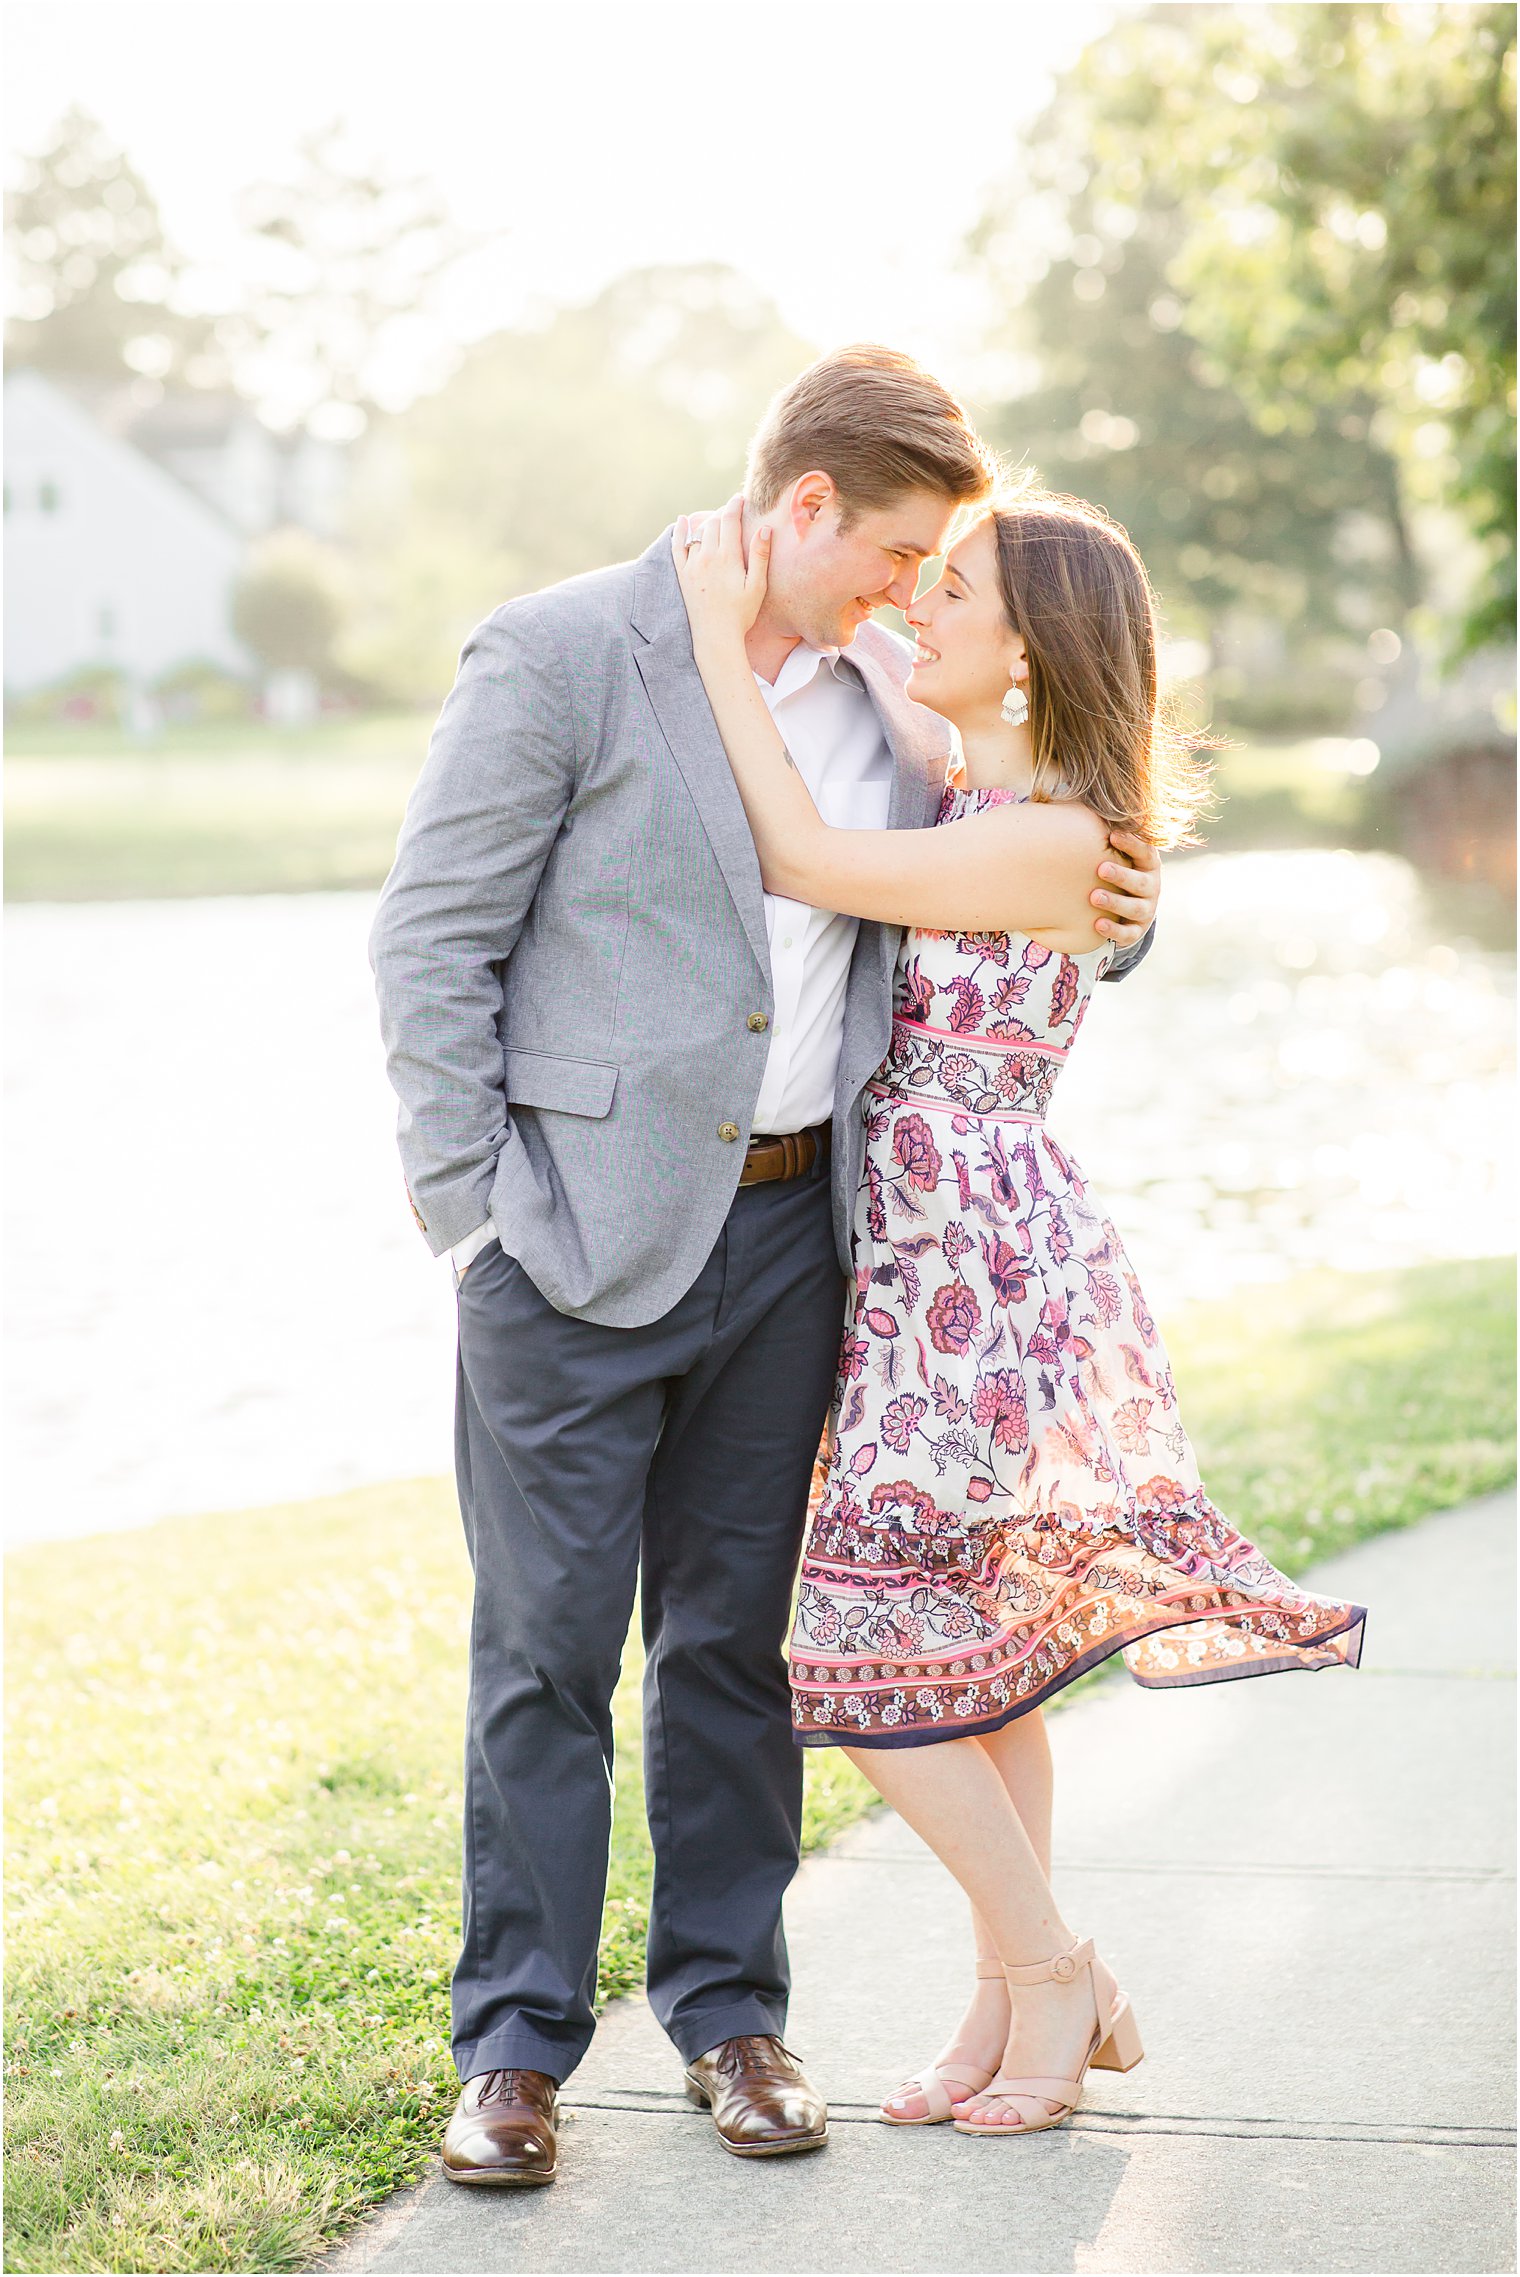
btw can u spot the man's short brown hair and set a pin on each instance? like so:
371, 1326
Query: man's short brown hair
878, 424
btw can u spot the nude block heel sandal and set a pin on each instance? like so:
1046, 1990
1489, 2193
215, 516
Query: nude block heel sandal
1115, 2040
1121, 2051
971, 2079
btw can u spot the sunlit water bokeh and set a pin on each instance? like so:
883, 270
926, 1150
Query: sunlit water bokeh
217, 1297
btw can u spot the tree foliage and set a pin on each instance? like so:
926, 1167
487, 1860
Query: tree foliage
1235, 524
1340, 187
95, 281
553, 451
289, 603
348, 258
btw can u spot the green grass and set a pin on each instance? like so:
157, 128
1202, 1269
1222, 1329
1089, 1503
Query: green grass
337, 735
1282, 794
289, 817
234, 1793
92, 814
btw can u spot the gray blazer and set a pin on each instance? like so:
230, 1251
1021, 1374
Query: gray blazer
570, 948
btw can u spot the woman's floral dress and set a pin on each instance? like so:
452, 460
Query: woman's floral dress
1010, 1495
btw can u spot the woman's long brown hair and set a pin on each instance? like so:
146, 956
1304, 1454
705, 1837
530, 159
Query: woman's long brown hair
1076, 590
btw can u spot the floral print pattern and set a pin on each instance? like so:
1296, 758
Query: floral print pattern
1010, 1496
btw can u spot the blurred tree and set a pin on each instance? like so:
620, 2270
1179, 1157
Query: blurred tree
352, 259
554, 451
94, 278
1344, 182
289, 603
1120, 403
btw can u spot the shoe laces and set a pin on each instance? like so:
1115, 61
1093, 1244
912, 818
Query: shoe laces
500, 2087
753, 2051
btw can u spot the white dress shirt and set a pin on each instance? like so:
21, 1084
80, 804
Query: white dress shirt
830, 727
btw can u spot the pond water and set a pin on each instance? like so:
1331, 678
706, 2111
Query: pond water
218, 1298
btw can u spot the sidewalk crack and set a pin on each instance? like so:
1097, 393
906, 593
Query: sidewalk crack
663, 2103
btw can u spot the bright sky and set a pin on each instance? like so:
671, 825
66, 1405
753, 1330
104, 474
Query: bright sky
833, 150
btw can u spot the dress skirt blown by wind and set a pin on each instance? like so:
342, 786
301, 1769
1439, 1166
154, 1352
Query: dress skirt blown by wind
1010, 1496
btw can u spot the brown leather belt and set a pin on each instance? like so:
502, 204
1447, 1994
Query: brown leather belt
788, 1157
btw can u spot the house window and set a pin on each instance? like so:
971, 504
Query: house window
47, 497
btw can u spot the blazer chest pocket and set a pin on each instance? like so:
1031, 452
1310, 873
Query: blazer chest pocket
568, 1086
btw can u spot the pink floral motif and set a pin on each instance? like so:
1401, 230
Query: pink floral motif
901, 1419
1009, 992
997, 1405
1064, 995
1104, 1291
948, 1401
876, 1214
967, 1003
953, 1317
1130, 1421
901, 1494
984, 948
917, 995
1005, 1270
913, 1144
1023, 1388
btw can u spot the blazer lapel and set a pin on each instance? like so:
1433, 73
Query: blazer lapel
918, 741
674, 688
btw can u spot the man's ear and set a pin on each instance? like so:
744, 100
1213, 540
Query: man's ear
810, 496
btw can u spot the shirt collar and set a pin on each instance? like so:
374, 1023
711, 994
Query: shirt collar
801, 667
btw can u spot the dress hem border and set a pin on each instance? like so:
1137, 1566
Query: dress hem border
1286, 1664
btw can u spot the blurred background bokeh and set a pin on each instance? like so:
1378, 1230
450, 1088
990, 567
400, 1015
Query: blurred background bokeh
331, 327
317, 355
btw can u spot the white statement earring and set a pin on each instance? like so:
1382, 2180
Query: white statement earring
1015, 706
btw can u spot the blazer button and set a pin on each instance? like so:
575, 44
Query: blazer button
728, 1132
757, 1023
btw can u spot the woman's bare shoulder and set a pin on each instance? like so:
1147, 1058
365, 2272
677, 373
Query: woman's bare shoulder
1073, 841
1064, 826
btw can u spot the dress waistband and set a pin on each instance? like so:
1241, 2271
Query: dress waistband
969, 1075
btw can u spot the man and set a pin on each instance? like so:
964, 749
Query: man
629, 1089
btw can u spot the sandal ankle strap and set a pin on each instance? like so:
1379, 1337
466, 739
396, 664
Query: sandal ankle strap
988, 1968
1061, 1970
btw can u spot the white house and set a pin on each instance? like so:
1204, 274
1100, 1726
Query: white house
126, 528
252, 476
108, 559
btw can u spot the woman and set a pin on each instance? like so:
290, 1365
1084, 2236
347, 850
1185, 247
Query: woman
1009, 1496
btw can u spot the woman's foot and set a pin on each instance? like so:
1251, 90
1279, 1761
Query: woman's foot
1056, 2025
972, 2053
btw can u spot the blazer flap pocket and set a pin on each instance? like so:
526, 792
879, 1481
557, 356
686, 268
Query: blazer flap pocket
571, 1086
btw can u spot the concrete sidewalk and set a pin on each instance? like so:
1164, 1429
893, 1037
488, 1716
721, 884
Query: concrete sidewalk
1306, 1885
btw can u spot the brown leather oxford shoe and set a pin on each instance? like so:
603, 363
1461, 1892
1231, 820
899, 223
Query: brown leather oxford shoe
762, 2101
502, 2135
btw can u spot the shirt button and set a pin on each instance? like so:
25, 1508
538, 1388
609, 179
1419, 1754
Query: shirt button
728, 1132
757, 1023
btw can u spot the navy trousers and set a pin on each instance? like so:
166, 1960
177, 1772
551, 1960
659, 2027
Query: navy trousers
591, 1459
